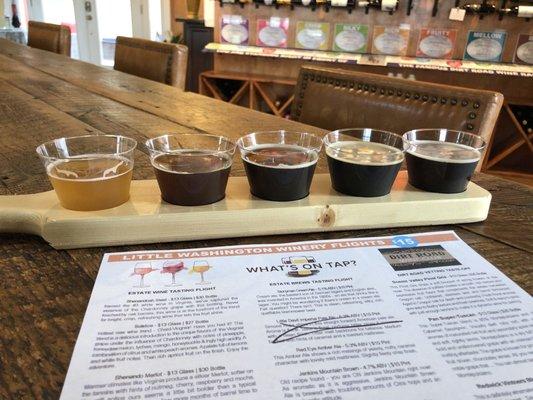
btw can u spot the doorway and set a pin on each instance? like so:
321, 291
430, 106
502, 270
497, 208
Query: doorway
95, 24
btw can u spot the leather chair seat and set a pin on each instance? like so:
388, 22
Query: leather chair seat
49, 37
332, 99
160, 62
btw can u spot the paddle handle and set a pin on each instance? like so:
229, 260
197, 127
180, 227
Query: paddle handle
21, 214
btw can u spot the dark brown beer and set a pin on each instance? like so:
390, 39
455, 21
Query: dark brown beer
442, 167
280, 172
360, 168
192, 177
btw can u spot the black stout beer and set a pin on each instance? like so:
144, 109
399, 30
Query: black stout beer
192, 178
191, 169
442, 167
280, 172
360, 168
279, 164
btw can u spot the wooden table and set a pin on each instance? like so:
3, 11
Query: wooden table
44, 292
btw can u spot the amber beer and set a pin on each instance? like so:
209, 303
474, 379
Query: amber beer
92, 183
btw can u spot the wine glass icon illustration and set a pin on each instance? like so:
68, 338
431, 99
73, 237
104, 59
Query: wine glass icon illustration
172, 267
142, 268
200, 267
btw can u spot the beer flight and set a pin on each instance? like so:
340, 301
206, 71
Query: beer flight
94, 172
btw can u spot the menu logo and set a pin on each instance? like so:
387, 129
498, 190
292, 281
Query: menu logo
418, 257
304, 266
294, 266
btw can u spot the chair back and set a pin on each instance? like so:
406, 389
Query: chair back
160, 62
49, 37
333, 99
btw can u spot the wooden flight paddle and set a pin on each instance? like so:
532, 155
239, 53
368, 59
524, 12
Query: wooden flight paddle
146, 219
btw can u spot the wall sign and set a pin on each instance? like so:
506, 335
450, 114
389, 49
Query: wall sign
524, 50
391, 40
234, 29
272, 32
351, 38
312, 35
485, 46
436, 43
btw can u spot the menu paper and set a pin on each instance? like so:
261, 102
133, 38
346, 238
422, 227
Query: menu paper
418, 316
485, 46
436, 43
350, 37
234, 29
312, 35
272, 32
524, 50
391, 40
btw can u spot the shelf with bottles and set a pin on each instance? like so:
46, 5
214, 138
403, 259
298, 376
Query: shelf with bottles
389, 6
504, 8
375, 60
418, 35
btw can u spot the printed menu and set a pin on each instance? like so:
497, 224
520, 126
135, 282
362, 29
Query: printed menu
485, 46
436, 43
312, 35
350, 37
391, 40
415, 316
272, 32
234, 29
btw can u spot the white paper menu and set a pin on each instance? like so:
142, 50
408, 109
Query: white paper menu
417, 316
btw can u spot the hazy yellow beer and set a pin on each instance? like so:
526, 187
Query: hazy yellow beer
89, 172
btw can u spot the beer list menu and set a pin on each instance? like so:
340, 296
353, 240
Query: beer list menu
406, 317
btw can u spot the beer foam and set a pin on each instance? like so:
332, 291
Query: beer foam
281, 156
192, 162
89, 168
365, 153
444, 151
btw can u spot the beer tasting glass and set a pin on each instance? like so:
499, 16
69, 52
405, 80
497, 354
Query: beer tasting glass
442, 160
280, 164
89, 172
363, 162
191, 169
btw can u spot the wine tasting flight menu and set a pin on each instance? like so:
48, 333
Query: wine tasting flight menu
418, 316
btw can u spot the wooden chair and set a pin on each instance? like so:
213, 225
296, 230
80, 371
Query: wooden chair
49, 37
333, 99
161, 62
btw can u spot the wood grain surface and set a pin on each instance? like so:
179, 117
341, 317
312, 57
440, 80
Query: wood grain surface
44, 292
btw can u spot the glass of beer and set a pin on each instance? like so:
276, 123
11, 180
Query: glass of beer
280, 164
442, 160
363, 162
91, 172
191, 169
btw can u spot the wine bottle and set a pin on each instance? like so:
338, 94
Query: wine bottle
384, 5
342, 3
264, 2
308, 3
241, 2
521, 11
482, 9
